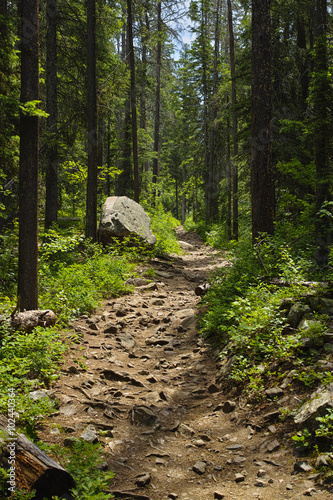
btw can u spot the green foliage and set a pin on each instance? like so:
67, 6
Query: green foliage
8, 261
302, 438
79, 288
244, 312
163, 225
83, 460
325, 429
29, 362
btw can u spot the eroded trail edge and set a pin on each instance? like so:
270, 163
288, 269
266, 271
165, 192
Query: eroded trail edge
141, 380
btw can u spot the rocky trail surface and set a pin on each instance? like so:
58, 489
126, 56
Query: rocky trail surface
141, 380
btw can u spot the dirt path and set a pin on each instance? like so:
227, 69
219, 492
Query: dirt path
149, 385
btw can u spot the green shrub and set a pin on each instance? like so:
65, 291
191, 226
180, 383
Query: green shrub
163, 225
29, 362
79, 288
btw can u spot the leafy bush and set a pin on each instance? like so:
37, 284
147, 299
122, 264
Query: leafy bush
79, 288
29, 362
83, 461
163, 225
244, 311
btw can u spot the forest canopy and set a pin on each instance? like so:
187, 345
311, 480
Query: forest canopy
232, 131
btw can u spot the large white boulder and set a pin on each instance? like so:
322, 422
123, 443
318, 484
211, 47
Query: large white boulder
122, 217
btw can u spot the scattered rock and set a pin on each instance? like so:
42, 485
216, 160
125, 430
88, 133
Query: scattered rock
274, 392
320, 401
185, 430
90, 434
260, 483
218, 495
309, 491
142, 414
273, 446
229, 406
199, 467
143, 479
239, 477
302, 467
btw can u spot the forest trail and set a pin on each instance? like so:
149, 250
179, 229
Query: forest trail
141, 380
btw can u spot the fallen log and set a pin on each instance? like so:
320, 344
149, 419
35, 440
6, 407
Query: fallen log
26, 321
32, 469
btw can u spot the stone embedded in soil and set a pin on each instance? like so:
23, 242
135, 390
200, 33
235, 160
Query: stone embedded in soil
142, 414
218, 495
90, 434
309, 491
233, 447
302, 467
260, 483
199, 467
274, 392
110, 328
229, 406
173, 496
143, 479
239, 477
185, 430
273, 446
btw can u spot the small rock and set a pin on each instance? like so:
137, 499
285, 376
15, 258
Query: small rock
289, 487
261, 473
199, 467
260, 483
73, 369
143, 479
110, 328
274, 392
302, 467
322, 461
308, 493
218, 495
38, 395
93, 327
212, 388
173, 496
272, 429
199, 443
185, 430
239, 477
90, 434
70, 441
229, 406
234, 447
273, 446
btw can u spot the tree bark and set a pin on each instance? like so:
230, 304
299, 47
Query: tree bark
29, 143
234, 125
212, 194
156, 160
133, 102
321, 105
262, 186
51, 180
91, 198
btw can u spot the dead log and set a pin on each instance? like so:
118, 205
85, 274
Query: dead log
26, 321
33, 469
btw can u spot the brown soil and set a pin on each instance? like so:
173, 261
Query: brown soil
149, 384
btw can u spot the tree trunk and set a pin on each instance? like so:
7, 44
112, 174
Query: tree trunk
156, 161
51, 180
91, 198
321, 93
133, 102
212, 194
29, 143
34, 470
234, 125
262, 187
